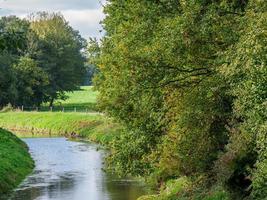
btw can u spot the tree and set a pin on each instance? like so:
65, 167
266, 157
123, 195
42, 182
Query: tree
246, 72
31, 82
13, 44
8, 90
187, 83
59, 53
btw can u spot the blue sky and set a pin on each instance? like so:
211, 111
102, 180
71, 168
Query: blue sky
83, 15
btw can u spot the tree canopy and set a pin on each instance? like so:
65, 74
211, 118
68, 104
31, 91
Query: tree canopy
59, 53
187, 79
41, 59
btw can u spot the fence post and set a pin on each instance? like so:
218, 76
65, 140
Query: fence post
75, 109
22, 108
63, 109
51, 109
36, 109
86, 110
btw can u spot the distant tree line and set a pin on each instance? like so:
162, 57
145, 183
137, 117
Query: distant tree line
40, 59
188, 80
91, 71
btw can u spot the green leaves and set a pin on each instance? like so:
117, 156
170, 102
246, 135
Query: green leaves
246, 73
31, 82
47, 55
188, 81
59, 53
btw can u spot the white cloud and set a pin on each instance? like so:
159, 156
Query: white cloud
39, 5
83, 15
86, 21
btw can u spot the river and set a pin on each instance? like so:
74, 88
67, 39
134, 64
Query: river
67, 170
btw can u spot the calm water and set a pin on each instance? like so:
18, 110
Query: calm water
68, 170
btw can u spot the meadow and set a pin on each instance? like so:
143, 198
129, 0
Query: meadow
81, 99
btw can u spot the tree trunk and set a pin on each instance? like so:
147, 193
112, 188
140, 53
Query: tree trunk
51, 102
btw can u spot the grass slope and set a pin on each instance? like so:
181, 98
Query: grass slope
180, 189
15, 161
94, 127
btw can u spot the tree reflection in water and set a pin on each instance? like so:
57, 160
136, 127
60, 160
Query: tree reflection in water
68, 170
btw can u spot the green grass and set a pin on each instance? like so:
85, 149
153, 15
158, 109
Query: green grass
169, 192
85, 95
15, 161
82, 99
181, 189
94, 127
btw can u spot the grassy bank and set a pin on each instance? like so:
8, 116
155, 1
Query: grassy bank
15, 161
94, 127
183, 189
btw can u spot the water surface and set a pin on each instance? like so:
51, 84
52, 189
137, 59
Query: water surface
67, 170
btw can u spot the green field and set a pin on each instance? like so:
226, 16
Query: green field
15, 161
81, 99
93, 127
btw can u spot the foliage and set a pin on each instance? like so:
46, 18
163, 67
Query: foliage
183, 189
187, 80
40, 59
91, 71
13, 151
31, 82
246, 73
13, 37
14, 33
8, 91
59, 53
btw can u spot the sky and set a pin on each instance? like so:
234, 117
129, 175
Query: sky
83, 15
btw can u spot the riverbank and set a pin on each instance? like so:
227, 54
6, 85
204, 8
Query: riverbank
15, 161
93, 127
96, 128
76, 178
183, 189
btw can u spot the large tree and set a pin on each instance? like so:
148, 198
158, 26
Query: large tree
59, 53
13, 43
185, 80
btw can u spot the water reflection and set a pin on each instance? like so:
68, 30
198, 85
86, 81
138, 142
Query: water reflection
68, 170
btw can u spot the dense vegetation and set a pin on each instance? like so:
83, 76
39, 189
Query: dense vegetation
40, 59
15, 161
188, 81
